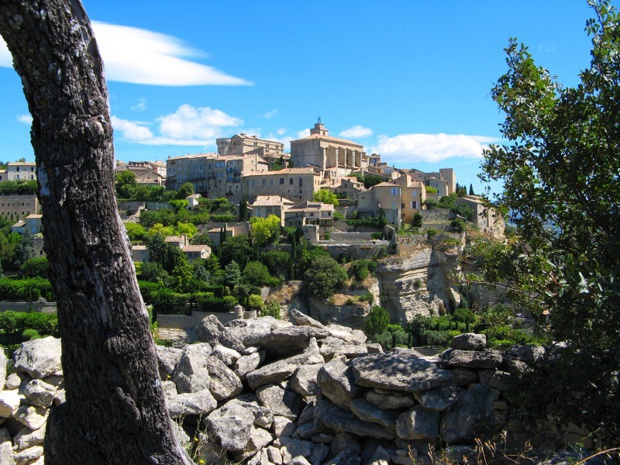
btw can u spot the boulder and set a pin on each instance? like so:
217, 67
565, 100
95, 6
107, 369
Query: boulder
27, 438
191, 403
14, 380
471, 358
32, 417
365, 411
337, 382
341, 420
418, 423
231, 425
471, 417
301, 319
192, 372
401, 371
495, 379
39, 357
280, 401
385, 399
283, 369
304, 381
6, 448
28, 456
438, 399
463, 376
332, 346
212, 331
283, 427
469, 341
289, 340
224, 383
226, 355
39, 393
167, 360
248, 363
293, 450
9, 403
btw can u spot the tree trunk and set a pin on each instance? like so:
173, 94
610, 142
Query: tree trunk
115, 411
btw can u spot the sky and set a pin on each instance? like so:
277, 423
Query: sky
408, 79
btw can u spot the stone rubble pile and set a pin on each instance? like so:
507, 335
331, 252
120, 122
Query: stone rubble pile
266, 391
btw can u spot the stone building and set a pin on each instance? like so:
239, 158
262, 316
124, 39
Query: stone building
241, 144
266, 205
412, 197
213, 175
487, 219
310, 213
20, 171
16, 207
448, 186
294, 184
385, 197
148, 173
332, 156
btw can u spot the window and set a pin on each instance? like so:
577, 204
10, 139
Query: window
414, 194
290, 181
414, 204
402, 205
394, 191
281, 180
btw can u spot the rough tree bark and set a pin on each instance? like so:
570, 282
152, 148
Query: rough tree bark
115, 411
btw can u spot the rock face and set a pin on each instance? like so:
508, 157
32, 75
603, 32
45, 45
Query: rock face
272, 392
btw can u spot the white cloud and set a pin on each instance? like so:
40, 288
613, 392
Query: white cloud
281, 131
270, 114
187, 126
356, 132
407, 148
303, 133
140, 106
140, 56
26, 119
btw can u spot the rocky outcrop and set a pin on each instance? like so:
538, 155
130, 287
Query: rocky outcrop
273, 392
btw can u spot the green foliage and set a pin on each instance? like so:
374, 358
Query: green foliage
265, 230
431, 189
559, 171
416, 221
430, 204
360, 269
272, 308
257, 274
325, 196
256, 302
338, 216
135, 231
448, 201
431, 232
462, 210
18, 187
35, 267
324, 276
232, 274
237, 248
25, 290
458, 225
24, 326
376, 322
369, 180
185, 191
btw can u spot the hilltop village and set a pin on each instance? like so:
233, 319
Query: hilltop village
250, 203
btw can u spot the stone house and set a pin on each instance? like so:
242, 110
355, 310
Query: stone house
140, 253
334, 157
18, 206
266, 205
309, 213
385, 196
180, 241
197, 252
487, 219
294, 184
20, 171
412, 197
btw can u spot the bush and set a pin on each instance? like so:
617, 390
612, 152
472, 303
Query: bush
377, 236
29, 334
272, 308
324, 276
376, 322
458, 226
35, 267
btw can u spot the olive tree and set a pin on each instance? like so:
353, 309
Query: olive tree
114, 411
561, 184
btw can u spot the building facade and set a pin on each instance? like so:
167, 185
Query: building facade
20, 171
16, 207
412, 197
294, 184
332, 156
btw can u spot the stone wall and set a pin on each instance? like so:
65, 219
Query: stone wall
274, 392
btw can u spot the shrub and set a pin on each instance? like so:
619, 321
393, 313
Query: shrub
28, 334
324, 276
272, 308
376, 322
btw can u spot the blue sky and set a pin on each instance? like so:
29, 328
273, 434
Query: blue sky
407, 79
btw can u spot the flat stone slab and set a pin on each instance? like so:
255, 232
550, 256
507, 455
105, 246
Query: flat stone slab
485, 359
400, 371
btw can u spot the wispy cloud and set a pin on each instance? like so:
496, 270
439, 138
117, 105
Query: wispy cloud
270, 114
407, 148
26, 119
188, 126
140, 106
140, 56
357, 132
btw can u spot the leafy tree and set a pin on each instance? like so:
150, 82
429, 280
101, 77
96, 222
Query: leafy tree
256, 302
324, 276
125, 184
561, 186
257, 274
153, 271
24, 249
471, 189
185, 191
431, 203
416, 221
232, 274
237, 248
135, 231
448, 201
35, 266
265, 230
325, 196
376, 322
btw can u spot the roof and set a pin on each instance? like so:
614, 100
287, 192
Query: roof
34, 217
21, 163
330, 139
386, 184
196, 155
196, 248
139, 247
283, 171
270, 200
19, 224
173, 239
